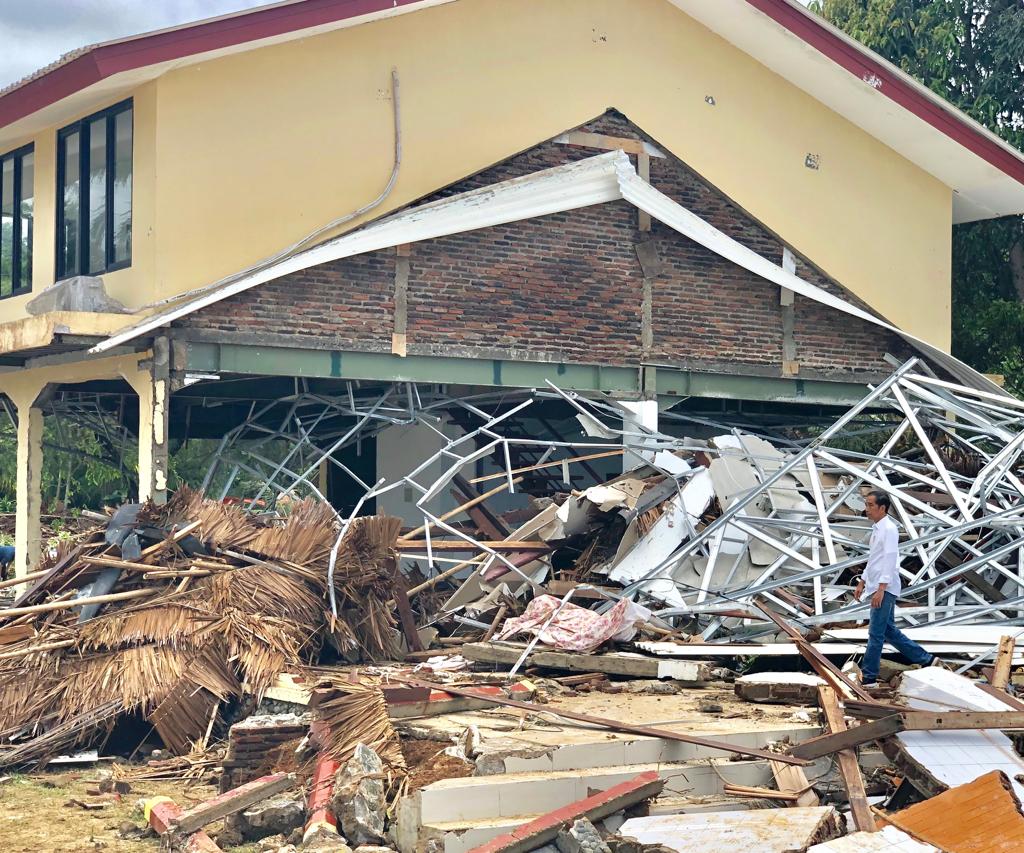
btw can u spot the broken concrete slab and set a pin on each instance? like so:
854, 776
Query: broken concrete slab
359, 801
887, 840
276, 816
612, 663
779, 688
581, 837
764, 830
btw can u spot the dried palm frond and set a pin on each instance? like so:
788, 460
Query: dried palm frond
358, 713
168, 623
305, 538
364, 581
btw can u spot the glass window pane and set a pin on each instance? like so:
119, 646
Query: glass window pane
97, 195
72, 206
27, 211
123, 187
6, 225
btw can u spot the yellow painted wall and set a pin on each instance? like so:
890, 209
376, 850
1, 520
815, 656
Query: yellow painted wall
249, 152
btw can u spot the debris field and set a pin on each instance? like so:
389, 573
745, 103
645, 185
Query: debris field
665, 659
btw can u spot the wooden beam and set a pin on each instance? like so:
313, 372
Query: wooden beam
412, 534
420, 545
910, 721
50, 606
849, 769
230, 802
848, 739
568, 461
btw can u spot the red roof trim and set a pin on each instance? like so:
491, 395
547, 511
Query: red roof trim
106, 60
862, 64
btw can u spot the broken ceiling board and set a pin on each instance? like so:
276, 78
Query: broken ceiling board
954, 758
612, 663
764, 830
887, 840
966, 635
982, 816
657, 545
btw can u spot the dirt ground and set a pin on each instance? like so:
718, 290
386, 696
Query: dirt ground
36, 817
427, 763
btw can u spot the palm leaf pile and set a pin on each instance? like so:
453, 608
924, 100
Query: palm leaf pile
233, 601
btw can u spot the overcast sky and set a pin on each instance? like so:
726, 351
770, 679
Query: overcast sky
36, 32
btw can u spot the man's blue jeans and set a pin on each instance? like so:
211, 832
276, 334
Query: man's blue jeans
882, 629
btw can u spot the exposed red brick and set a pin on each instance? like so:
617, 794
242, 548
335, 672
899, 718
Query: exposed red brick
568, 287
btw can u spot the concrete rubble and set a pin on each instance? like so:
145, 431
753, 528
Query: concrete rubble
662, 658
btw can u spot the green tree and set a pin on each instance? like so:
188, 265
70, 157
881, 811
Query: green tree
972, 53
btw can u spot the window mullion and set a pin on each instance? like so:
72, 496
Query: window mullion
108, 248
16, 226
84, 179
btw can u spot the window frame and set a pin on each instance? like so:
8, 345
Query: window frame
83, 128
17, 197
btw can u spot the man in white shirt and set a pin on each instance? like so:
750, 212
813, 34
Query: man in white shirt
881, 581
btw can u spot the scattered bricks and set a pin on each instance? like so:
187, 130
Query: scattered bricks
582, 837
779, 688
160, 812
358, 801
539, 832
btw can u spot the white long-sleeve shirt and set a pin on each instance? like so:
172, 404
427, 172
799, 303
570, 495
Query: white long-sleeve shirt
883, 559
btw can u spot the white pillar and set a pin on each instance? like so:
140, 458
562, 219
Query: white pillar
27, 524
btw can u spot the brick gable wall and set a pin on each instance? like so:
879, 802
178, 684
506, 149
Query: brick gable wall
568, 287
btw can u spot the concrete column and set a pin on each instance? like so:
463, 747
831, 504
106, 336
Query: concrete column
153, 387
637, 417
28, 527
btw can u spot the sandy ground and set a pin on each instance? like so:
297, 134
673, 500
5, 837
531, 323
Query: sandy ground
36, 817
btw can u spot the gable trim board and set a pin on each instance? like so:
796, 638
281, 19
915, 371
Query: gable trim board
986, 174
595, 180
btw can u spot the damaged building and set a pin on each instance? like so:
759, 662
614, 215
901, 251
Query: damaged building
560, 336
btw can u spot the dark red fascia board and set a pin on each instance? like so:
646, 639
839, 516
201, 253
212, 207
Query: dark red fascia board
861, 64
106, 60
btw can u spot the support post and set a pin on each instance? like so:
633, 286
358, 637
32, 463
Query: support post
28, 525
153, 388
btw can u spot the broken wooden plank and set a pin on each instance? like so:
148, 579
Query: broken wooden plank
420, 545
540, 831
791, 779
230, 802
1004, 662
614, 725
849, 769
613, 663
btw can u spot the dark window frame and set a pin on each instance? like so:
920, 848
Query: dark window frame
82, 128
18, 155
